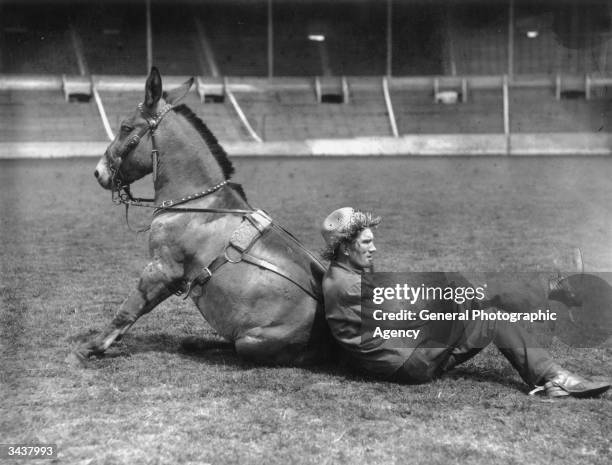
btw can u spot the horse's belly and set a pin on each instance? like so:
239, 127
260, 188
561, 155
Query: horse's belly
241, 297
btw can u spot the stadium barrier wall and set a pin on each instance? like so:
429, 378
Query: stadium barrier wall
522, 144
112, 83
552, 144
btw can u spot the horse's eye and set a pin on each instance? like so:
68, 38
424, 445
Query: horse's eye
126, 128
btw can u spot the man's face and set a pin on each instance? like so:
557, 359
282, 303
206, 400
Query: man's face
361, 251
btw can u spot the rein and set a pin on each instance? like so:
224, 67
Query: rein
121, 193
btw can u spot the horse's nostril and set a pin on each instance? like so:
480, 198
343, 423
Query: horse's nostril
96, 174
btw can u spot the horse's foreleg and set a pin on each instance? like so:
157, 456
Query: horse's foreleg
156, 285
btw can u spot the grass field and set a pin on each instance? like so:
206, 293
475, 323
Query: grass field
68, 260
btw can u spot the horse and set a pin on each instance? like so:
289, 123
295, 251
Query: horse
252, 280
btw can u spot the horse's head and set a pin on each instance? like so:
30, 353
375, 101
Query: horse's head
129, 157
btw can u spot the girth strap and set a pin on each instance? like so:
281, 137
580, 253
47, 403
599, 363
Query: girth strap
275, 269
205, 275
256, 224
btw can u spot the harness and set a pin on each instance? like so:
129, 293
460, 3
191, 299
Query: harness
255, 225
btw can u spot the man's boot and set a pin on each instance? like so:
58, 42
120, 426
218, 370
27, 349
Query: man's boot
563, 383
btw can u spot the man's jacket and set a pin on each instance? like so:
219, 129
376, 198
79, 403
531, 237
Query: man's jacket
342, 294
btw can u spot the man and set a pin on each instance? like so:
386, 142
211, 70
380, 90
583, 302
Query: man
350, 248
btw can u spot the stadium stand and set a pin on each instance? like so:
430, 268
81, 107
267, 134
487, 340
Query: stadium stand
118, 105
113, 41
296, 114
418, 48
417, 114
559, 75
176, 48
353, 45
219, 118
480, 38
564, 115
479, 41
46, 116
238, 35
35, 40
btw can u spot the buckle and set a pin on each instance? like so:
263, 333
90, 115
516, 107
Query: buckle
228, 258
207, 270
199, 280
166, 203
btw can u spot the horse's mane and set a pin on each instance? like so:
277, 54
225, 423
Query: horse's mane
213, 144
211, 141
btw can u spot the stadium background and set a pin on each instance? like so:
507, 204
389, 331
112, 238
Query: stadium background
68, 260
528, 77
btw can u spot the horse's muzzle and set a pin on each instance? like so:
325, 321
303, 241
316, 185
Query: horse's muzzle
103, 174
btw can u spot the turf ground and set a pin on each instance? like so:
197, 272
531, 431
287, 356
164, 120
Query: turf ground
68, 260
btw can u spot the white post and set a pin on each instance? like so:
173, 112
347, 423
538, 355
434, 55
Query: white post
101, 111
389, 104
318, 92
345, 90
324, 55
511, 40
239, 112
436, 89
77, 45
149, 37
204, 44
389, 37
587, 86
506, 114
270, 40
464, 90
449, 46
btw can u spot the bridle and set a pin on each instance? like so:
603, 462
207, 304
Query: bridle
120, 191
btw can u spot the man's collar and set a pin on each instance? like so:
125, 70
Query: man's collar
349, 267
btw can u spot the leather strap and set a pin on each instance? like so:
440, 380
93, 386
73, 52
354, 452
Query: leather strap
254, 226
205, 274
260, 262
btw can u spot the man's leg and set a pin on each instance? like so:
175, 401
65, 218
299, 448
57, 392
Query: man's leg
534, 364
468, 339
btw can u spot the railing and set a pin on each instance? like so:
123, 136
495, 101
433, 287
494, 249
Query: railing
395, 95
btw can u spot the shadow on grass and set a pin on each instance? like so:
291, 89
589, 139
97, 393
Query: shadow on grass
219, 352
487, 376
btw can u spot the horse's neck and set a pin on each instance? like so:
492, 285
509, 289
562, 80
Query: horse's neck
186, 166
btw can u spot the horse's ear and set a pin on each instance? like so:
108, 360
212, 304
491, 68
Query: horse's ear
153, 88
175, 95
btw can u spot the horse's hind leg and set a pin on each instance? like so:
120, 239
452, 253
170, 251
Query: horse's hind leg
271, 346
154, 287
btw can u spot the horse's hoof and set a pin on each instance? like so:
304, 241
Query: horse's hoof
76, 360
